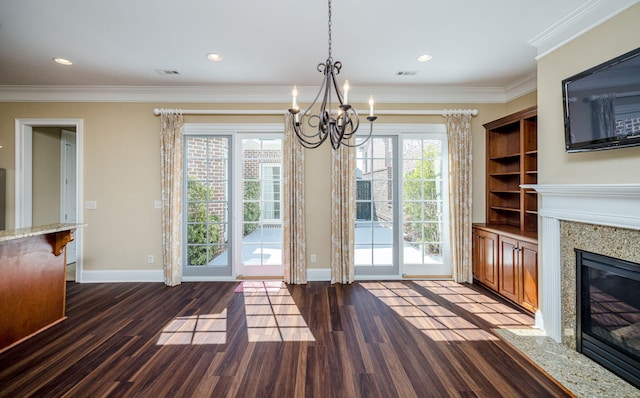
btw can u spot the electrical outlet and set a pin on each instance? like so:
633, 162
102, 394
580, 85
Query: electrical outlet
313, 258
150, 259
157, 204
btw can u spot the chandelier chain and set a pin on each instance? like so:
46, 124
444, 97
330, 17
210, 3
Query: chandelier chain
329, 25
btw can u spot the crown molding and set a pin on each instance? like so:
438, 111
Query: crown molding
245, 94
522, 86
587, 16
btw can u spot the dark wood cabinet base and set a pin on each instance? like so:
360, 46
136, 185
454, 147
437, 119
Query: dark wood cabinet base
32, 286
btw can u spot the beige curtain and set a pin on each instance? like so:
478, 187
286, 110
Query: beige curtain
343, 204
171, 161
460, 200
294, 256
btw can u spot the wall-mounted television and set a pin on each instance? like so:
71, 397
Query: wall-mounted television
602, 105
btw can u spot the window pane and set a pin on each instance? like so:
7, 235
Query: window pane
206, 199
374, 234
423, 201
261, 176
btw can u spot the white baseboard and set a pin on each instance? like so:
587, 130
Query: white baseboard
318, 274
110, 276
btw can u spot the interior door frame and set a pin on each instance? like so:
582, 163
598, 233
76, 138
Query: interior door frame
68, 139
23, 174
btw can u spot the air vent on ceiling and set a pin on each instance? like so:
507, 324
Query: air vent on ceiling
406, 73
167, 72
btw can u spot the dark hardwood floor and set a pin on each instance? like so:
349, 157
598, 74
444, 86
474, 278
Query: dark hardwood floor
255, 339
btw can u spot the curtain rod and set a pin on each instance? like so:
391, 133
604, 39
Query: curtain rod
158, 111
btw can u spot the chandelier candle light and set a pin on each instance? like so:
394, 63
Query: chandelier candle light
340, 124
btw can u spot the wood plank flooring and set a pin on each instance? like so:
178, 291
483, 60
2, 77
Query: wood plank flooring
267, 339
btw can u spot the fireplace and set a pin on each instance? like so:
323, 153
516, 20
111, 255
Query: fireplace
608, 313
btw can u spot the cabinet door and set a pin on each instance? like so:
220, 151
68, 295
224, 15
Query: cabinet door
529, 261
490, 260
476, 256
509, 264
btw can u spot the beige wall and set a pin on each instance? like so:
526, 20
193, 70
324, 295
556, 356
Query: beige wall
121, 172
46, 175
608, 40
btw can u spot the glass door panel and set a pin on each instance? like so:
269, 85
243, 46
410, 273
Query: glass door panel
375, 236
207, 198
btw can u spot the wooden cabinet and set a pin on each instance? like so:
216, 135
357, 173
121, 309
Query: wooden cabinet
485, 259
506, 263
505, 248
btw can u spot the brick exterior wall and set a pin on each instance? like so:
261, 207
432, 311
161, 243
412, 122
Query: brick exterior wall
208, 158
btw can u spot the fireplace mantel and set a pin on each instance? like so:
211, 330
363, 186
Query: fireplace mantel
616, 205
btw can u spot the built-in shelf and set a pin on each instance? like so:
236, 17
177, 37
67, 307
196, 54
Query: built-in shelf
505, 208
512, 160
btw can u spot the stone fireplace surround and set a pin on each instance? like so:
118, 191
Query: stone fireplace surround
600, 218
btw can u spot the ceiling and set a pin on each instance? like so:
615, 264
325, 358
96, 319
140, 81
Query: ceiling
130, 43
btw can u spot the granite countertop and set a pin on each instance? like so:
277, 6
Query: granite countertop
582, 376
36, 230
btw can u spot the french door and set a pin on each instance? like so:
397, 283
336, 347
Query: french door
232, 205
401, 227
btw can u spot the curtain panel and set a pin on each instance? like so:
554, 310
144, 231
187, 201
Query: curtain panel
294, 240
171, 154
343, 214
460, 199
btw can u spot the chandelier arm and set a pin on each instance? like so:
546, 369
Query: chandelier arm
355, 127
345, 143
335, 84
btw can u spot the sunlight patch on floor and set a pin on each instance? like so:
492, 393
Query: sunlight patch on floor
431, 319
271, 313
195, 330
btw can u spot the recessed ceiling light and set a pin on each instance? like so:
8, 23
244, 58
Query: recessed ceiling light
63, 61
214, 57
424, 58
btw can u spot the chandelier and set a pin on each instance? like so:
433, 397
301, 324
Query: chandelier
339, 124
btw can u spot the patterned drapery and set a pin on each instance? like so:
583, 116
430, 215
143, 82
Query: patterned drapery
171, 175
343, 214
460, 199
294, 243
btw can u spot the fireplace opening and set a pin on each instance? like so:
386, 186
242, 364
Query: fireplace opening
608, 313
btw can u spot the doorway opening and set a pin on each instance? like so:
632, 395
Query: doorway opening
49, 190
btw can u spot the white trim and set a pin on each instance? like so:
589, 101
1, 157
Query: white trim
402, 112
245, 94
120, 276
588, 15
24, 174
616, 205
522, 86
318, 274
230, 128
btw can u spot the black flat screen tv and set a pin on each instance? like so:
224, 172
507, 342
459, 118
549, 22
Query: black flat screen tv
602, 105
